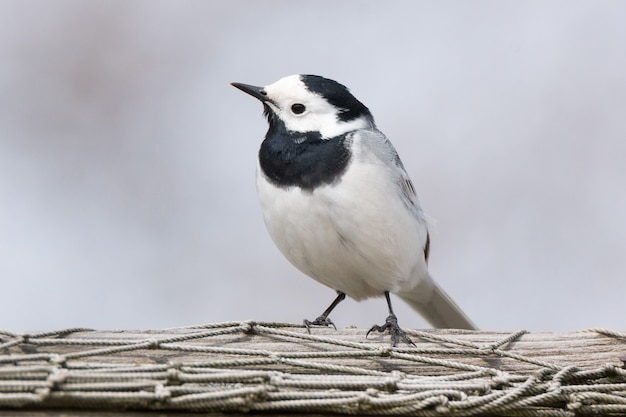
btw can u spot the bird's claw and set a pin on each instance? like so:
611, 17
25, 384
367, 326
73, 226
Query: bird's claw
396, 333
320, 321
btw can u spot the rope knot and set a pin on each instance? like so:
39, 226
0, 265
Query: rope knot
161, 393
575, 402
57, 359
152, 344
383, 351
249, 327
173, 374
501, 378
372, 392
276, 378
57, 376
443, 406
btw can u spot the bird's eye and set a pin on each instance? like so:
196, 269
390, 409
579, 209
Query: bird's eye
298, 108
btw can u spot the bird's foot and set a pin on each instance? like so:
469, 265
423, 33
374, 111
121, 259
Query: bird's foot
320, 321
396, 333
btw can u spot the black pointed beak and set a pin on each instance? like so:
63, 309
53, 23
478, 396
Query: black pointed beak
256, 92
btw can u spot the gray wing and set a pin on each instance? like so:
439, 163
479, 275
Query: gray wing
380, 148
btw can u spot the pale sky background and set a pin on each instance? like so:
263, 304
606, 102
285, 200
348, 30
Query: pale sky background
127, 162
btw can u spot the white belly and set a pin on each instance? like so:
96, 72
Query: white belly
354, 236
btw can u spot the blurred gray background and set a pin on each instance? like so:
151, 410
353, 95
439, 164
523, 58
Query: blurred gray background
127, 162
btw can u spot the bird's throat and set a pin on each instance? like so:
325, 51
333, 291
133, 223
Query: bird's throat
303, 159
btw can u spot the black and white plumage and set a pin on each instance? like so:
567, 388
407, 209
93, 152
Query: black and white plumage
339, 204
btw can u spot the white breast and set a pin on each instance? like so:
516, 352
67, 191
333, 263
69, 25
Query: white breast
356, 235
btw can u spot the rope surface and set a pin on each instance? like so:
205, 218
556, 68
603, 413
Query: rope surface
278, 367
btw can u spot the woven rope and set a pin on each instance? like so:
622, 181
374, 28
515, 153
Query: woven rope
60, 369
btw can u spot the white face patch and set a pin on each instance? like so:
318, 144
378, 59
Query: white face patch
304, 111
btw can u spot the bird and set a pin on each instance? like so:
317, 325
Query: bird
339, 204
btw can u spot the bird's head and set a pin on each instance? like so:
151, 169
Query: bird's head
310, 103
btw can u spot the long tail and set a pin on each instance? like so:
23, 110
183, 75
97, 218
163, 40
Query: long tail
428, 299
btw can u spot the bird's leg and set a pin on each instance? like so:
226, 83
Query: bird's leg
391, 324
323, 320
